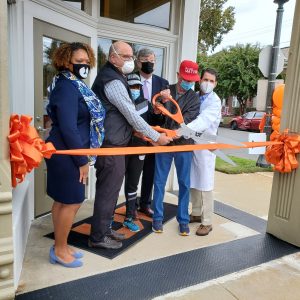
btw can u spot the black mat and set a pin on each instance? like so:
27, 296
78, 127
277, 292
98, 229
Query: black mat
238, 216
155, 278
80, 240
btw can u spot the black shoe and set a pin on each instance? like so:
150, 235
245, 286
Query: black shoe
146, 211
195, 219
115, 235
107, 243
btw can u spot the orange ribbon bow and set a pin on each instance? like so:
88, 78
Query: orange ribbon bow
27, 149
283, 155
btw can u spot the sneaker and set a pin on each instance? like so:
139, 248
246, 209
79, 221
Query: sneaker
128, 223
184, 229
157, 226
106, 243
204, 230
116, 235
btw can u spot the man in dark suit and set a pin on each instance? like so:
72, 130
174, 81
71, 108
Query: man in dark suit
152, 84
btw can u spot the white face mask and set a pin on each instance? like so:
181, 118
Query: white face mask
206, 87
128, 67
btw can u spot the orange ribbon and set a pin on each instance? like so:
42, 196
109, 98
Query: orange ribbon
283, 154
27, 149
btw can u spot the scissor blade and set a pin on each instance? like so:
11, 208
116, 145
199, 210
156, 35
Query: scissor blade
223, 156
203, 137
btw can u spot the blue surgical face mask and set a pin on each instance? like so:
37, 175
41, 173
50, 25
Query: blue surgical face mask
186, 85
135, 93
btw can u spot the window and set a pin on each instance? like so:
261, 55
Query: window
235, 102
103, 49
250, 115
49, 45
149, 12
259, 114
79, 4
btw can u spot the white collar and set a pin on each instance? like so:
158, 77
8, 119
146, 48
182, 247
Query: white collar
143, 79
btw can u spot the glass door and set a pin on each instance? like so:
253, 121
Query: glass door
47, 38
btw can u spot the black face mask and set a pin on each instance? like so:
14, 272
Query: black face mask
147, 67
81, 70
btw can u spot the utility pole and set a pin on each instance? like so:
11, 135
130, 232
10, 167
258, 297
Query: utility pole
261, 161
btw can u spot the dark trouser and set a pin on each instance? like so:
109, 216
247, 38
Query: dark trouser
147, 181
110, 173
134, 167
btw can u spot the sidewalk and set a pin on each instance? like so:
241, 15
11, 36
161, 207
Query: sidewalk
277, 279
250, 193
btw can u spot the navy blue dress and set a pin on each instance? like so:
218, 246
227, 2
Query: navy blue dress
70, 130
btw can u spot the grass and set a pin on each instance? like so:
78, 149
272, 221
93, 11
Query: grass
243, 166
226, 121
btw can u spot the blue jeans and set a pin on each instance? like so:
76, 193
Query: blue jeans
163, 162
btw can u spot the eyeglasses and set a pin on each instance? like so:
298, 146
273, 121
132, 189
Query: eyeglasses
126, 57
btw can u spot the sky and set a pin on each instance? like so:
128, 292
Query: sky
255, 22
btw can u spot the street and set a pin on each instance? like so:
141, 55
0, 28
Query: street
237, 135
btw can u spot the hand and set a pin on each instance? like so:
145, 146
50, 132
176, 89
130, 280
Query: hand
84, 173
165, 95
156, 110
163, 140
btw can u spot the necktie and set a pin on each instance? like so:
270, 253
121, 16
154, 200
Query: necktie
145, 90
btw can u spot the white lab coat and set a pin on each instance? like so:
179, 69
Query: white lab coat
203, 162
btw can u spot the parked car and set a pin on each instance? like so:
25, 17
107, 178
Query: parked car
248, 121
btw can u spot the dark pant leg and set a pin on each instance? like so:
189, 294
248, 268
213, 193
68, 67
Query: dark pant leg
110, 174
147, 181
134, 167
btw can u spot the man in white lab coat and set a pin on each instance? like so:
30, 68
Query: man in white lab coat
203, 162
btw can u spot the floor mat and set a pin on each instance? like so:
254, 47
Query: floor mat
168, 274
79, 234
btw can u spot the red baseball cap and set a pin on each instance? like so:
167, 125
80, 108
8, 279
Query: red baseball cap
188, 70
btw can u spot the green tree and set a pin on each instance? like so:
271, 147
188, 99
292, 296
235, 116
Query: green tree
214, 22
238, 71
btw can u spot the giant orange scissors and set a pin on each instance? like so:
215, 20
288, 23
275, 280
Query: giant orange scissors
198, 137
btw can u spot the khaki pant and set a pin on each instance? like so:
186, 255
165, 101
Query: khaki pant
202, 205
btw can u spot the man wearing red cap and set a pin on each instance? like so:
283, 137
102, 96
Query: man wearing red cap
189, 104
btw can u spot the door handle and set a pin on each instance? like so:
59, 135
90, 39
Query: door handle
41, 129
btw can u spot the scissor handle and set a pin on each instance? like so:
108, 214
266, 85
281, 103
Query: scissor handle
168, 132
176, 117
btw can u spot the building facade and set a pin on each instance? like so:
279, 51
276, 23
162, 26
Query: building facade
34, 29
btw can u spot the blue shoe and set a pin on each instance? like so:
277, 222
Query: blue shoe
76, 254
157, 226
128, 223
53, 259
184, 229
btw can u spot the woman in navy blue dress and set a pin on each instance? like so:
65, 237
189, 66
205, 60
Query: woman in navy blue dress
77, 122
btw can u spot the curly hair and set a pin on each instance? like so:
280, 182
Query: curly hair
62, 55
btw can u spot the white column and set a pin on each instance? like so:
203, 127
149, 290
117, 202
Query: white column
284, 212
6, 240
189, 30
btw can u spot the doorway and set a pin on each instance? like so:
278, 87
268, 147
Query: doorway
47, 38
